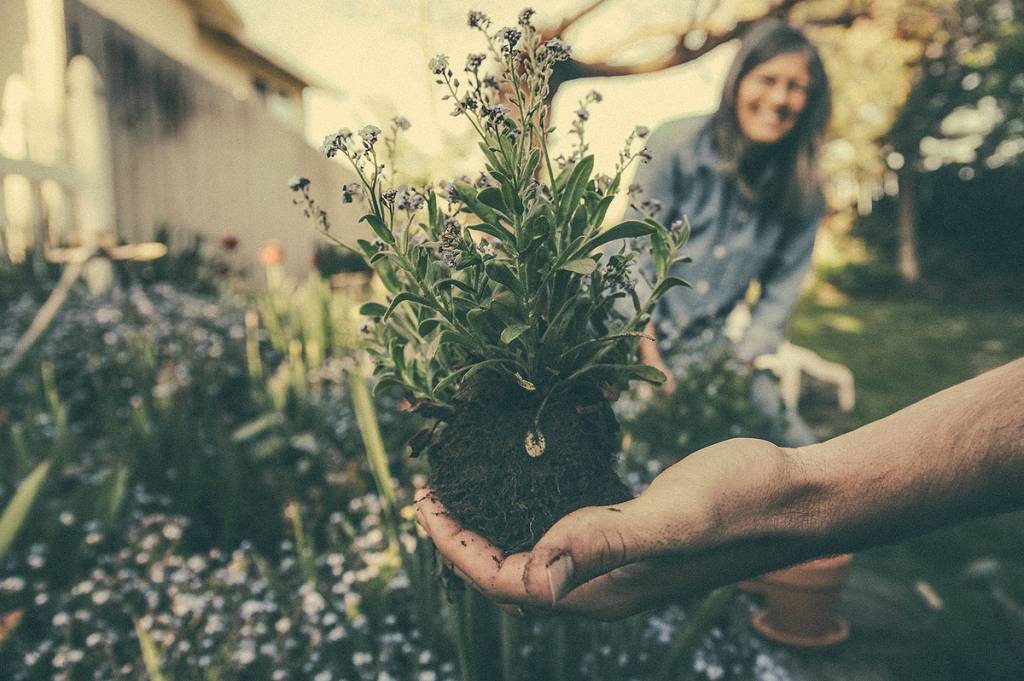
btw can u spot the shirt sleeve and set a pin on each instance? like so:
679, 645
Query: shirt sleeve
780, 289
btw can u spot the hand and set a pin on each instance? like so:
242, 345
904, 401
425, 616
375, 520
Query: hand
609, 562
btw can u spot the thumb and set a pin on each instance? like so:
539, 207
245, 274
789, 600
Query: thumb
582, 545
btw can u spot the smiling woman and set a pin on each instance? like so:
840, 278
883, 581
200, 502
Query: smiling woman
747, 180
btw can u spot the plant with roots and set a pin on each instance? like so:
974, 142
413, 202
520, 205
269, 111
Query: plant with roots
512, 317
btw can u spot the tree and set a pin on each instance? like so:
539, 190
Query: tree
701, 26
966, 106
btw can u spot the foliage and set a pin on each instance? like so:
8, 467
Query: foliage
711, 403
179, 394
524, 290
965, 107
117, 572
192, 264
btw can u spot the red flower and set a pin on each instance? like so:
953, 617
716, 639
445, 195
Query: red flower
229, 242
272, 253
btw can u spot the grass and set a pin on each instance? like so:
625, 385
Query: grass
900, 350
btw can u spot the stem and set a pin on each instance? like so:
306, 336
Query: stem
366, 415
559, 651
509, 647
713, 605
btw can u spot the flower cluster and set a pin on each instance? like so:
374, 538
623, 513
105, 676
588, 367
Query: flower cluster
231, 611
501, 266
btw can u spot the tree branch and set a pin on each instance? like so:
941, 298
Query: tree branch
681, 53
569, 21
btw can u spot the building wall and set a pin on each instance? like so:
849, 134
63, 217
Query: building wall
169, 25
189, 156
13, 36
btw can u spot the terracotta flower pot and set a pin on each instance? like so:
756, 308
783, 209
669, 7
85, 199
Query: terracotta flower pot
799, 603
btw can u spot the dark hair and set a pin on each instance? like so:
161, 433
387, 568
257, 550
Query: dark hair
796, 181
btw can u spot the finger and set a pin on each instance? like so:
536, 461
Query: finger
585, 544
627, 590
422, 493
477, 559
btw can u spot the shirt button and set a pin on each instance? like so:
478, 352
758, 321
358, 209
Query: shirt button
719, 251
742, 215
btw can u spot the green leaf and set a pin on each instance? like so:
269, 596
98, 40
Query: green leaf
531, 164
497, 231
639, 372
481, 209
534, 245
465, 340
602, 209
575, 184
402, 297
397, 351
372, 310
659, 249
580, 266
684, 233
427, 326
610, 339
387, 275
17, 510
512, 332
665, 285
624, 230
479, 321
379, 228
476, 368
368, 249
579, 223
491, 157
492, 197
503, 275
461, 285
385, 380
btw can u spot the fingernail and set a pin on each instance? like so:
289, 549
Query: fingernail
559, 573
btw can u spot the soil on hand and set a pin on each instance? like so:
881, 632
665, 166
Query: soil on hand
487, 481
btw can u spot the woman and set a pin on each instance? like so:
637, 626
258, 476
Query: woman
747, 180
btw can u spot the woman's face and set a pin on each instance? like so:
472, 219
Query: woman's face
771, 96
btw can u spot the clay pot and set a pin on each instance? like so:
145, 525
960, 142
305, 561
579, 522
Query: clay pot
799, 603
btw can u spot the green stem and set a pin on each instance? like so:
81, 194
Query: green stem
366, 415
713, 605
559, 651
509, 647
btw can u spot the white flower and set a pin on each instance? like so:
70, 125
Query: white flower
313, 603
12, 585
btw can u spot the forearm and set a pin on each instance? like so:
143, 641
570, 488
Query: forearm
956, 455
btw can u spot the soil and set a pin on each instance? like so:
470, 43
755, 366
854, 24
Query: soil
482, 473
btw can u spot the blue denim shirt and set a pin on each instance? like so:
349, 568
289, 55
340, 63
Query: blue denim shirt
733, 241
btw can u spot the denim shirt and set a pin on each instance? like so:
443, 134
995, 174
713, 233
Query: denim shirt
733, 241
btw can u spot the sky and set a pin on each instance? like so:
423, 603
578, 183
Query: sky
373, 54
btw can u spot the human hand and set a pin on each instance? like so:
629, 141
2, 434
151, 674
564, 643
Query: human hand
683, 536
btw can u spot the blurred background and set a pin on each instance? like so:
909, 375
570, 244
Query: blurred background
194, 480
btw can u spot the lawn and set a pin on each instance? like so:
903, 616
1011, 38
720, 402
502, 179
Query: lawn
900, 350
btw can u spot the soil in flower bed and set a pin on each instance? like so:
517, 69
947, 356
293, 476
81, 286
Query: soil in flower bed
482, 473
